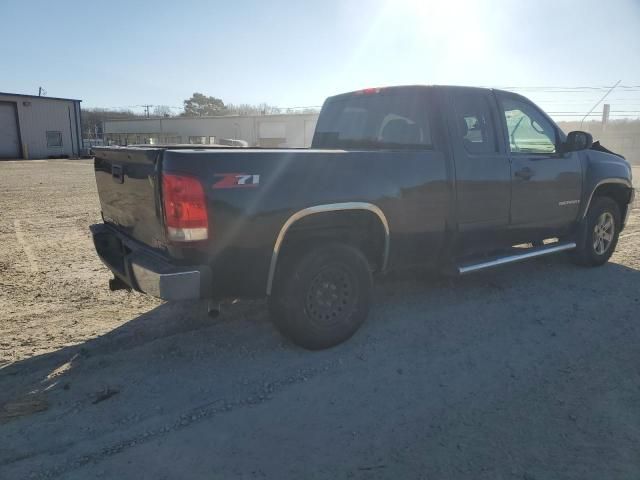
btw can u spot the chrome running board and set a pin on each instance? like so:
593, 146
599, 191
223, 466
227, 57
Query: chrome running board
512, 257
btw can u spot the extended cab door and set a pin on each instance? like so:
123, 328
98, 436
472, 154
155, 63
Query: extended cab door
482, 169
546, 185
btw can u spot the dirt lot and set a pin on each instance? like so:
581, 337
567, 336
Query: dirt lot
527, 372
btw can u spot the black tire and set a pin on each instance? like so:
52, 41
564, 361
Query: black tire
589, 252
321, 296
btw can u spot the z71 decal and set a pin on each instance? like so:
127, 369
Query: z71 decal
236, 180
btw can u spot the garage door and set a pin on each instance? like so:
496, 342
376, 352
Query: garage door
9, 140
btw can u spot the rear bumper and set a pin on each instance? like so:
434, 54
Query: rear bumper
145, 271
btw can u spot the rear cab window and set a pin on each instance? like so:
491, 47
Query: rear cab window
375, 119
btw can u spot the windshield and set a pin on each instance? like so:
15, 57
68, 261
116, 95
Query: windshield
377, 120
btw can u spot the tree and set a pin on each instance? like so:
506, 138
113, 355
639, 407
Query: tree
162, 111
201, 105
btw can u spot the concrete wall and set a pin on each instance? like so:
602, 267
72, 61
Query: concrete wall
37, 115
285, 131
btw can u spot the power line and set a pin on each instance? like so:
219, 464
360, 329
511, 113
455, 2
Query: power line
593, 113
600, 101
554, 88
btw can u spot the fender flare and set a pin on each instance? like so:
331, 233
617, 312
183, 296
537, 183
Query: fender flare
617, 181
331, 207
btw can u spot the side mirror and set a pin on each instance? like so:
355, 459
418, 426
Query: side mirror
578, 140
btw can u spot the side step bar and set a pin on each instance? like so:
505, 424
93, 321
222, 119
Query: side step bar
514, 256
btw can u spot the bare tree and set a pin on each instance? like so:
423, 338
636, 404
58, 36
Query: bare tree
162, 111
247, 109
93, 118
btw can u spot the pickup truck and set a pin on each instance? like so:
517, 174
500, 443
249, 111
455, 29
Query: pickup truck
458, 179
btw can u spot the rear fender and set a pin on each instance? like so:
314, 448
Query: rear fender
334, 207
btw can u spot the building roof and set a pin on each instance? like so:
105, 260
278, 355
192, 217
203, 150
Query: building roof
256, 115
37, 96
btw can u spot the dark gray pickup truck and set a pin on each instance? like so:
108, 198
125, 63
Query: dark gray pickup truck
453, 178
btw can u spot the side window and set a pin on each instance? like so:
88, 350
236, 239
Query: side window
473, 115
529, 131
54, 139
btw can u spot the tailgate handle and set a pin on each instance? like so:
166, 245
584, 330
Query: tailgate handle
117, 172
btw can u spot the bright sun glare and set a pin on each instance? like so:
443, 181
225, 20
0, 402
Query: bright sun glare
436, 20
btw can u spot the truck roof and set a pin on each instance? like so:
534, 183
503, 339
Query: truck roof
416, 88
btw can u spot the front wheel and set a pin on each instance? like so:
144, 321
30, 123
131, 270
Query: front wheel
321, 296
598, 235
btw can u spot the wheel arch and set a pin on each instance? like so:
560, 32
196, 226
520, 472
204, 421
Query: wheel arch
333, 208
619, 189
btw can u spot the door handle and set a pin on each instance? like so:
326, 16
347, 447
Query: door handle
525, 173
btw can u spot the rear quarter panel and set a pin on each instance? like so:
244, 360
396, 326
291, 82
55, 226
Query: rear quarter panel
410, 187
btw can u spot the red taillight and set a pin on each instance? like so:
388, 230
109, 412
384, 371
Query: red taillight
185, 208
369, 91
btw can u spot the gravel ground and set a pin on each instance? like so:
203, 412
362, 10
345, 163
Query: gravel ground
527, 372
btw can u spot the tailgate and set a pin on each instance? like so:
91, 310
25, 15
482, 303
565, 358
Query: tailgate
127, 181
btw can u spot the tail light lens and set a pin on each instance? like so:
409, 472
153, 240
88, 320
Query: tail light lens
185, 208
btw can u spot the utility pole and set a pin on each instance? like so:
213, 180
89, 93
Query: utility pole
599, 101
606, 109
41, 91
146, 109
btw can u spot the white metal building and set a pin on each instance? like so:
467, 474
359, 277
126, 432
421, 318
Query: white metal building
39, 127
284, 130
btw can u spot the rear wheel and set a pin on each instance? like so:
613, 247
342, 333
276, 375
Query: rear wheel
321, 296
598, 235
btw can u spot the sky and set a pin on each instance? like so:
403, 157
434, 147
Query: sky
121, 54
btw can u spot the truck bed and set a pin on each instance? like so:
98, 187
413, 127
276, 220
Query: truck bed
246, 219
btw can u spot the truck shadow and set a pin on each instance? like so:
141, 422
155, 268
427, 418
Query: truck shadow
39, 373
244, 327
